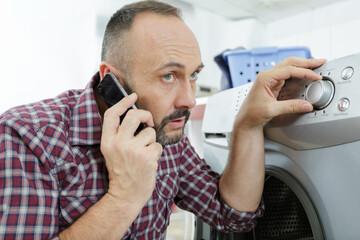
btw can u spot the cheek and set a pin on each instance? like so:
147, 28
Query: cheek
156, 98
193, 87
158, 107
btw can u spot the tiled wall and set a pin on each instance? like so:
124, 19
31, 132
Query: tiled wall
331, 32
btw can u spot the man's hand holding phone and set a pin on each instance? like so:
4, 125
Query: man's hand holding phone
131, 160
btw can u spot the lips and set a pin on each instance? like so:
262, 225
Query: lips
177, 123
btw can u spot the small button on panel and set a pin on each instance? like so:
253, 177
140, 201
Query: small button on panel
343, 104
347, 73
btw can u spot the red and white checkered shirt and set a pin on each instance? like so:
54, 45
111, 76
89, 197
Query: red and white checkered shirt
52, 171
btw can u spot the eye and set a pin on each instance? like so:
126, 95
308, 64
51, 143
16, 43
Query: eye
194, 76
170, 77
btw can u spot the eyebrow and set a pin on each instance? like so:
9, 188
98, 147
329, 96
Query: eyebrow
178, 65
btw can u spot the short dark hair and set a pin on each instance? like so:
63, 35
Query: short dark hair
122, 21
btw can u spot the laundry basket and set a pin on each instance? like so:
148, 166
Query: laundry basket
244, 65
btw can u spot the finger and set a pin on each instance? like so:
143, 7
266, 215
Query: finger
156, 148
291, 106
132, 120
146, 136
112, 115
287, 72
301, 62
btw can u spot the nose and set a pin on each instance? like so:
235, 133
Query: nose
185, 98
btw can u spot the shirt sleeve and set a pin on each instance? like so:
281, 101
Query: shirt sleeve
28, 192
199, 194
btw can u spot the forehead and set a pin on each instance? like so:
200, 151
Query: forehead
155, 40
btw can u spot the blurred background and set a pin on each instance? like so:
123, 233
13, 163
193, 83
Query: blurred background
49, 46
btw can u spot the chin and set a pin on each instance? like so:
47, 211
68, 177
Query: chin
169, 138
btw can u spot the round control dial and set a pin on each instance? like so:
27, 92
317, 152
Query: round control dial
320, 93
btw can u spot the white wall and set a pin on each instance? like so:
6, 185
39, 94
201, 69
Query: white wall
45, 48
216, 34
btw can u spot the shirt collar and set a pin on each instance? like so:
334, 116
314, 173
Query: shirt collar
86, 124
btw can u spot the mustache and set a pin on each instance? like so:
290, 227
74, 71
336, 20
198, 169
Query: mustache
177, 114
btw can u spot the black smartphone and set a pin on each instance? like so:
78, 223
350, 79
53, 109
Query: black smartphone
111, 91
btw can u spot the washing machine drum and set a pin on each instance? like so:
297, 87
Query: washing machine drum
289, 212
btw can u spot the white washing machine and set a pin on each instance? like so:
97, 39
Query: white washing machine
312, 186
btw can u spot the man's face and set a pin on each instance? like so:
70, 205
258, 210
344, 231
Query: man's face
165, 60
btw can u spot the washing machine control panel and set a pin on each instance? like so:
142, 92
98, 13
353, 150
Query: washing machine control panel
319, 93
335, 119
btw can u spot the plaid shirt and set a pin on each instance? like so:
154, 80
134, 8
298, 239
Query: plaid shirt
52, 171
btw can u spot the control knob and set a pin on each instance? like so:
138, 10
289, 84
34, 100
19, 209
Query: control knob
320, 93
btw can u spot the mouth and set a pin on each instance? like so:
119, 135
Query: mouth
177, 123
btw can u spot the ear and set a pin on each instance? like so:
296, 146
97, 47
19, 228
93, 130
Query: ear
106, 68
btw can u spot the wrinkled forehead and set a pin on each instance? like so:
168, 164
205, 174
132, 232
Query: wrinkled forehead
156, 39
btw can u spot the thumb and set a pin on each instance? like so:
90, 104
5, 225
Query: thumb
292, 106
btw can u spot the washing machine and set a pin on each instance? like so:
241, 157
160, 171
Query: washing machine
312, 183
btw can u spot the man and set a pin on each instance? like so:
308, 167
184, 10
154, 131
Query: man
69, 170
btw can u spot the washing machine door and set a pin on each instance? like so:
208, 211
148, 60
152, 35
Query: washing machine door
290, 213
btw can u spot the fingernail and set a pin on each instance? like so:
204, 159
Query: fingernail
306, 107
